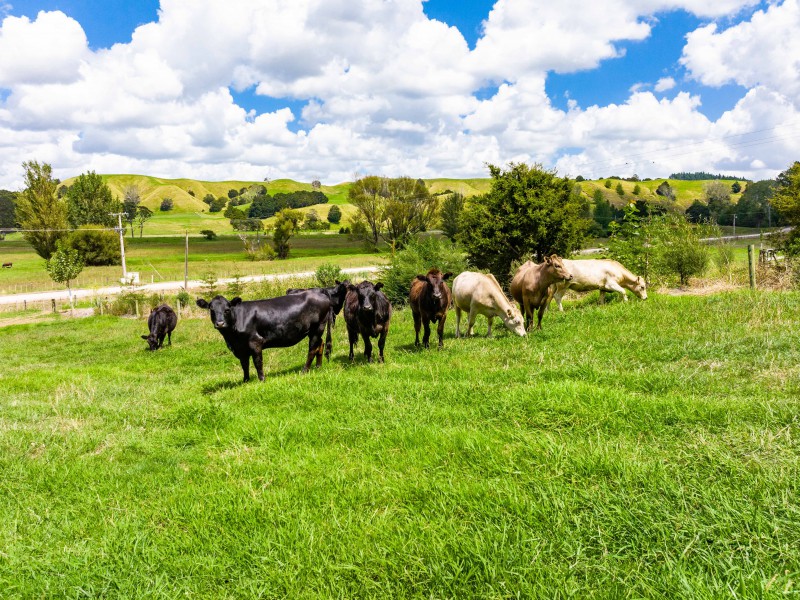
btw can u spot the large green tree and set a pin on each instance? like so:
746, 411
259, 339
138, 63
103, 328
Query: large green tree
452, 207
90, 201
754, 208
64, 265
287, 222
528, 211
369, 195
40, 213
8, 217
409, 209
787, 200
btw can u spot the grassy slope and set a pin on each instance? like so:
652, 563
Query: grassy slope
686, 192
620, 453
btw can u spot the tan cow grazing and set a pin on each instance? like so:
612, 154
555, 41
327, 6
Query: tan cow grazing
480, 294
530, 286
598, 274
430, 299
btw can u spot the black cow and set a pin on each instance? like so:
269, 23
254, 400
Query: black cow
367, 312
249, 327
337, 295
161, 322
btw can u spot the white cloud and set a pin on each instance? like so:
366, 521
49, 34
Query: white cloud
382, 89
664, 84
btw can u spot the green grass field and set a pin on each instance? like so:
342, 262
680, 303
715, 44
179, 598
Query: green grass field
640, 450
162, 259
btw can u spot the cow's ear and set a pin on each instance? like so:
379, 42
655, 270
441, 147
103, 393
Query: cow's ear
378, 286
236, 301
144, 337
337, 282
202, 303
422, 278
351, 288
447, 276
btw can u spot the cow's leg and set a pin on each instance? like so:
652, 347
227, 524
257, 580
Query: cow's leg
602, 296
353, 338
471, 320
367, 347
458, 322
169, 338
426, 338
542, 308
258, 361
245, 367
161, 341
559, 294
381, 344
440, 330
417, 325
615, 287
490, 320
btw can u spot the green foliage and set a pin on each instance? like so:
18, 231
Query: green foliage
287, 223
247, 224
233, 193
736, 187
754, 207
680, 251
417, 258
184, 298
209, 199
89, 200
39, 211
312, 222
218, 204
631, 242
604, 213
334, 214
725, 258
718, 199
452, 208
665, 190
135, 302
637, 189
698, 212
529, 210
8, 217
409, 209
368, 195
210, 285
130, 204
700, 176
327, 274
64, 265
620, 191
95, 245
143, 214
233, 213
166, 204
786, 199
208, 234
607, 184
236, 287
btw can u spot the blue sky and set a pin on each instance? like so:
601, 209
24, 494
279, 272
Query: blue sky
223, 90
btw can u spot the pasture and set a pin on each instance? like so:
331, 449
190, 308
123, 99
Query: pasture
641, 450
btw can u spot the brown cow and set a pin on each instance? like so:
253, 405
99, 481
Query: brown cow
429, 299
531, 282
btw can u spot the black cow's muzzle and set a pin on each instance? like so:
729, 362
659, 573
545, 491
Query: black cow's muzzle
220, 324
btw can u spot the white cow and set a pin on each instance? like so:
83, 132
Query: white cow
597, 274
480, 294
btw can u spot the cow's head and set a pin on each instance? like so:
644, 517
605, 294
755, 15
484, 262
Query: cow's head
222, 314
152, 341
435, 284
366, 292
640, 288
557, 264
513, 321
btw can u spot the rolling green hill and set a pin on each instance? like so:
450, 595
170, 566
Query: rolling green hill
686, 192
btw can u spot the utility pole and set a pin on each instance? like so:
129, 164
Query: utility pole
121, 243
734, 224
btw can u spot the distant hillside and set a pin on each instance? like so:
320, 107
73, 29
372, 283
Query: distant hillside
686, 192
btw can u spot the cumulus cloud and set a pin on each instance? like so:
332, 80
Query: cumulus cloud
382, 89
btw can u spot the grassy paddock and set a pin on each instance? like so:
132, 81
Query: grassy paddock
647, 449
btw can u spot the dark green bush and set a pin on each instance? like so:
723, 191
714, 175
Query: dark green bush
96, 245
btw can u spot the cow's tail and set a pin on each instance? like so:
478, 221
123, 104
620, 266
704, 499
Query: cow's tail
328, 342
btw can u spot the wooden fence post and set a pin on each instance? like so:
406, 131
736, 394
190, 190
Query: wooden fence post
54, 304
751, 265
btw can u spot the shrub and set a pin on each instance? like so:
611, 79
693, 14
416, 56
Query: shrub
126, 304
235, 287
607, 183
208, 234
327, 274
619, 189
166, 204
98, 247
184, 298
416, 259
209, 289
334, 214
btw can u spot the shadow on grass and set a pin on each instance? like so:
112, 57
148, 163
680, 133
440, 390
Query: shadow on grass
227, 384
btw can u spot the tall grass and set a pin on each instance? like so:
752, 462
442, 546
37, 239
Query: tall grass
642, 450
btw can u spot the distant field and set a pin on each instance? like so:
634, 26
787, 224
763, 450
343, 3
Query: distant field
161, 259
686, 192
640, 450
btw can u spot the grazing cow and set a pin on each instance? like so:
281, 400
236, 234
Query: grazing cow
162, 322
480, 294
249, 327
337, 295
429, 299
530, 286
598, 274
367, 311
7, 265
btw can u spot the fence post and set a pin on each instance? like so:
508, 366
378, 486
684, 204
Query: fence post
53, 301
751, 265
24, 305
136, 302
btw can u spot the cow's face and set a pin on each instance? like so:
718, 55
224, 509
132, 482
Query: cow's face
640, 288
435, 284
514, 322
558, 267
222, 314
152, 341
366, 292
